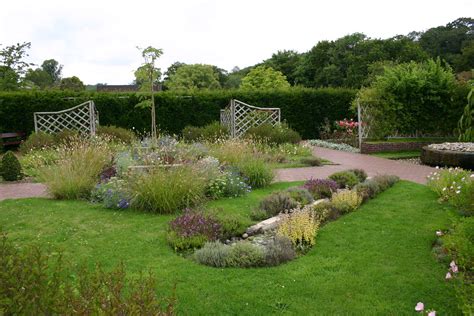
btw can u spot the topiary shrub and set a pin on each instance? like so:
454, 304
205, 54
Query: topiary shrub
10, 168
119, 134
346, 201
245, 255
277, 203
321, 188
279, 250
345, 179
37, 141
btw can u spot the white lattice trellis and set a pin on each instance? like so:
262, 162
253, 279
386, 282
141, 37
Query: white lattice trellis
364, 121
83, 118
239, 117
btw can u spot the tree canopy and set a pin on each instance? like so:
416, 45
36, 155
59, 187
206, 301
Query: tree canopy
192, 77
72, 83
264, 78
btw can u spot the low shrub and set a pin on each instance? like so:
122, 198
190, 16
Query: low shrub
321, 188
167, 190
345, 179
325, 211
275, 135
210, 132
279, 250
36, 141
192, 230
311, 161
300, 227
300, 195
245, 255
36, 282
256, 172
35, 160
214, 254
367, 189
77, 170
112, 194
360, 173
259, 215
385, 181
277, 203
346, 201
118, 134
10, 167
228, 184
67, 136
231, 225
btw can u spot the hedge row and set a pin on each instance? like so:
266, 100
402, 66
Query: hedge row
303, 109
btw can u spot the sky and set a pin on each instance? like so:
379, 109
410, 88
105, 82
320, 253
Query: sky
97, 40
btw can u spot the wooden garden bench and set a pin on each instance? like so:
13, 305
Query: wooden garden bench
12, 138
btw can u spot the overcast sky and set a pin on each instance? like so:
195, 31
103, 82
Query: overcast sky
96, 40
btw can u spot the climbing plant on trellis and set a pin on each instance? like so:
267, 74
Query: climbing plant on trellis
83, 118
238, 117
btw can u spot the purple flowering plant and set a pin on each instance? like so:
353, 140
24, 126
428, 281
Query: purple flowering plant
192, 223
321, 188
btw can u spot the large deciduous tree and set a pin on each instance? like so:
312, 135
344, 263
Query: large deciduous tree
72, 83
13, 66
195, 76
264, 78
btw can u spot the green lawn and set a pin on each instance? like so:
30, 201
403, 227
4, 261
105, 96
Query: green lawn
398, 154
376, 260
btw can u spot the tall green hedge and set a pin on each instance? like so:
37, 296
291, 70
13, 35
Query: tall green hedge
303, 109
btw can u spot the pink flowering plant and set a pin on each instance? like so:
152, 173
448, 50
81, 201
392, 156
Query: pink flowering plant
420, 308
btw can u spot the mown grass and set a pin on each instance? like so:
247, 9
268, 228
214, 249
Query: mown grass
376, 260
405, 154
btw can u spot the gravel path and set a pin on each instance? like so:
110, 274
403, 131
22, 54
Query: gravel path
345, 160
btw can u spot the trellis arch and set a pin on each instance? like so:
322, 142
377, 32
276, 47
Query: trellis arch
365, 119
238, 117
83, 118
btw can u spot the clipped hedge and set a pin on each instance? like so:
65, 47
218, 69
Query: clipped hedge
303, 109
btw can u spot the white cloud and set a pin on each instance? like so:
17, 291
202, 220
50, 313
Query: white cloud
96, 40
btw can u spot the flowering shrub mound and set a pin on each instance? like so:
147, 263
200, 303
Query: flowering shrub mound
321, 188
228, 184
345, 179
300, 227
112, 194
332, 145
192, 230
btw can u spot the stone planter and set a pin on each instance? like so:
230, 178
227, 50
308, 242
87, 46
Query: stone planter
447, 158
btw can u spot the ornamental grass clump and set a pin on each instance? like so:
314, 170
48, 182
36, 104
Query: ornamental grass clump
77, 169
168, 190
256, 172
346, 201
321, 188
300, 227
192, 230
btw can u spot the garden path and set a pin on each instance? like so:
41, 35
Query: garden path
22, 190
344, 160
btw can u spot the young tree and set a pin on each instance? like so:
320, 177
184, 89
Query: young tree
263, 77
13, 66
147, 75
192, 77
53, 69
72, 83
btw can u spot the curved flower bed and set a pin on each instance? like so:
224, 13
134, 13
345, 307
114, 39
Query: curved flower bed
449, 154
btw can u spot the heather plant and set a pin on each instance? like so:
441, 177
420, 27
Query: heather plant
168, 190
345, 179
300, 195
385, 181
214, 254
360, 173
346, 201
300, 227
367, 189
321, 188
279, 250
245, 255
192, 230
38, 282
10, 167
277, 203
112, 194
77, 169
